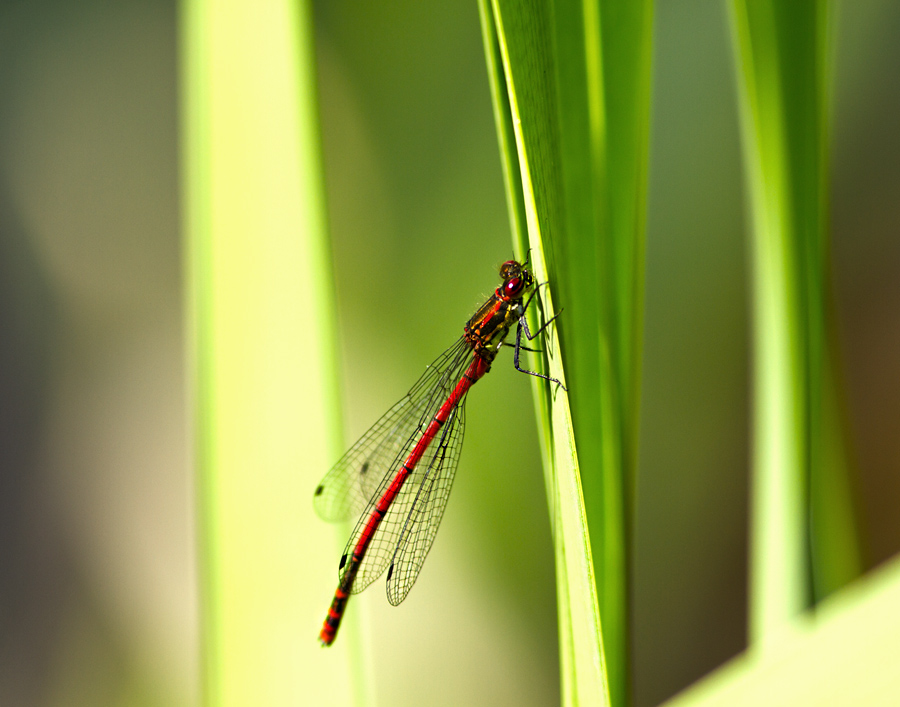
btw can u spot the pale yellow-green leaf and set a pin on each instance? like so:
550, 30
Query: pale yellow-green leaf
845, 654
261, 334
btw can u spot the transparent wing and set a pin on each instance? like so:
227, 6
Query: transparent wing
351, 484
348, 487
427, 509
382, 546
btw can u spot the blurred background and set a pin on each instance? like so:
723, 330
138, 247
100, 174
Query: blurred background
97, 581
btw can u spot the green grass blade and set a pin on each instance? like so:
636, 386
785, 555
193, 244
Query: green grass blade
583, 675
603, 55
784, 80
262, 338
836, 544
572, 101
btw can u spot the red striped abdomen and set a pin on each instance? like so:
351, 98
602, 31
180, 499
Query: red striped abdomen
476, 370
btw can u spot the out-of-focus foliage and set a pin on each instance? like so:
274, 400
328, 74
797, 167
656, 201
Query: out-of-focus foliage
96, 584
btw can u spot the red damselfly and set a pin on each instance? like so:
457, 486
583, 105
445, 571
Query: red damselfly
397, 477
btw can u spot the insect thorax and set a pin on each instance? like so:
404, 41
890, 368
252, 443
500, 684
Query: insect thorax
490, 326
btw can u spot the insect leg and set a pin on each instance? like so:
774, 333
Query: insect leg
523, 326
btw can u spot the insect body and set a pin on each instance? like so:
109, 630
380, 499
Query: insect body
397, 477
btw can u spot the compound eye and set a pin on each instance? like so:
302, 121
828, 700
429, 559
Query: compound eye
514, 288
510, 269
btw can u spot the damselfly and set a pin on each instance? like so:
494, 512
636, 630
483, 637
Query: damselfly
397, 477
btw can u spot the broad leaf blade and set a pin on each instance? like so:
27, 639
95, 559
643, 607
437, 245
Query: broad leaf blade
581, 202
